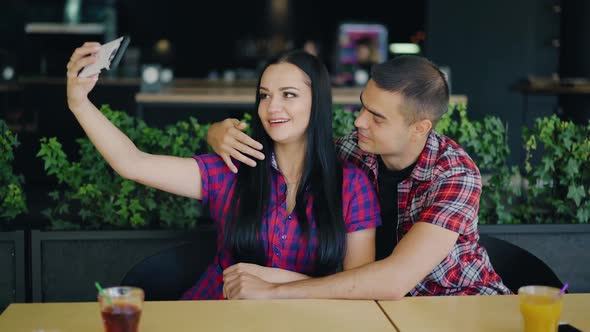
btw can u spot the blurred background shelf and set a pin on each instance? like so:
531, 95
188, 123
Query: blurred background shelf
65, 28
244, 96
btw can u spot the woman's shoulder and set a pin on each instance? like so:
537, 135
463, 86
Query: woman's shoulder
350, 169
352, 174
214, 162
210, 159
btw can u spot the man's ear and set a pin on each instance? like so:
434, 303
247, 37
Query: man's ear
422, 127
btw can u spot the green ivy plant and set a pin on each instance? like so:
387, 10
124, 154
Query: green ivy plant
486, 143
343, 120
12, 197
90, 195
558, 188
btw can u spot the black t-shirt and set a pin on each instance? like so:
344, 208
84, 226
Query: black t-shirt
386, 238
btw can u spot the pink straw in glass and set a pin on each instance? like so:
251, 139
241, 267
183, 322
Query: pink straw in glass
561, 292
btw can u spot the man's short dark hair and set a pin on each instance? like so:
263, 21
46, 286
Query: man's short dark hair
421, 82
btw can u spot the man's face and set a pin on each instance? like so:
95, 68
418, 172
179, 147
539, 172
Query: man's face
381, 126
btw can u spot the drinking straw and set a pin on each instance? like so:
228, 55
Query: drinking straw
561, 292
103, 293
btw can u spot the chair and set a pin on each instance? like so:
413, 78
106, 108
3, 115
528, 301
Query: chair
168, 274
517, 266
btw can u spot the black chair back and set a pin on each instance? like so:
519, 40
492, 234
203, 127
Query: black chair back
516, 266
169, 273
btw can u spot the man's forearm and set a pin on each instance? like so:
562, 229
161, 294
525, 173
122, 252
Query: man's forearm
415, 256
372, 281
286, 276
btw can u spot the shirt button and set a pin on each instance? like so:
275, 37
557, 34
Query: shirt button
283, 237
290, 217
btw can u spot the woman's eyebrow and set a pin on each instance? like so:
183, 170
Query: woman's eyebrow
287, 88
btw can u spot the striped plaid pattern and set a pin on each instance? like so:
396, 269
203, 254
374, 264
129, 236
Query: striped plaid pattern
444, 190
284, 244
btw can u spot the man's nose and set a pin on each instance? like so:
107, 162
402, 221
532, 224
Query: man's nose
361, 119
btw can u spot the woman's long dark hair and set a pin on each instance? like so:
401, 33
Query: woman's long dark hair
322, 177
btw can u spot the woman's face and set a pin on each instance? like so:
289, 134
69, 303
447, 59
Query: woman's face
285, 103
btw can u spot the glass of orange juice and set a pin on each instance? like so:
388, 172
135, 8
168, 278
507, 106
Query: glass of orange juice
540, 308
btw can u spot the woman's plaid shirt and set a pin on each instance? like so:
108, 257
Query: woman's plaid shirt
284, 243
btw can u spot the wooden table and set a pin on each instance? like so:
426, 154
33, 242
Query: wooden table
475, 313
178, 316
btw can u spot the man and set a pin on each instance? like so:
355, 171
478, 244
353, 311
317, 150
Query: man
429, 190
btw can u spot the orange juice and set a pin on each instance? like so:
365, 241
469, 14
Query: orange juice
539, 308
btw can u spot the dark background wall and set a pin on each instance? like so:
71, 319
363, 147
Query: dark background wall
320, 19
206, 35
575, 56
491, 45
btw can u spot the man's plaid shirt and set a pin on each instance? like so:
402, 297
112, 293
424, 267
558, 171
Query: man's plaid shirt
443, 189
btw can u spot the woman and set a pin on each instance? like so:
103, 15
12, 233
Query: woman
299, 213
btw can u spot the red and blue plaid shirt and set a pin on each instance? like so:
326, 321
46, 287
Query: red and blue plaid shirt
285, 246
443, 189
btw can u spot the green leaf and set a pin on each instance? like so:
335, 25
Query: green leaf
572, 168
583, 215
577, 193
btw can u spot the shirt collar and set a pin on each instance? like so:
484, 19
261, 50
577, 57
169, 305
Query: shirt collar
423, 171
273, 162
427, 159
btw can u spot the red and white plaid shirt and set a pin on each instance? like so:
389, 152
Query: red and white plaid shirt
443, 189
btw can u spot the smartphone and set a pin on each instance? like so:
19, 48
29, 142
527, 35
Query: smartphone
564, 327
108, 57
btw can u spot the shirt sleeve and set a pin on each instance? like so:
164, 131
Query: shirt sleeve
359, 200
453, 202
214, 175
